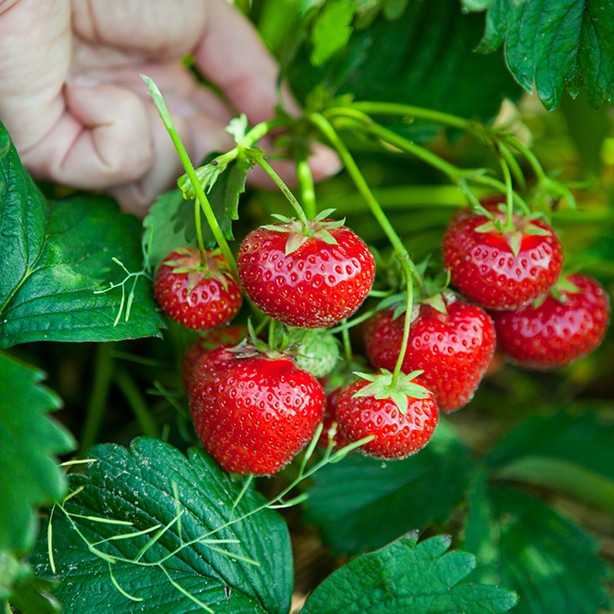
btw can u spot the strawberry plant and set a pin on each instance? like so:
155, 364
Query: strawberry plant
387, 391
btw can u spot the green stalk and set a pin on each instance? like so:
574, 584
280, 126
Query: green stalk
308, 193
393, 108
357, 120
133, 396
407, 265
98, 399
509, 193
270, 171
260, 130
205, 205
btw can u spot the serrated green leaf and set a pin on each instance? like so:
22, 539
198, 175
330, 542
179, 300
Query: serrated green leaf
408, 576
59, 298
361, 504
331, 30
193, 541
169, 224
549, 561
29, 440
55, 256
568, 452
550, 46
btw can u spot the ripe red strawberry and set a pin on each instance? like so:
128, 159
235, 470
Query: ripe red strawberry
199, 292
312, 278
400, 417
454, 349
570, 323
501, 269
227, 336
254, 413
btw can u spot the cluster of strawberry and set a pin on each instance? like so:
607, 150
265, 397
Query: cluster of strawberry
255, 408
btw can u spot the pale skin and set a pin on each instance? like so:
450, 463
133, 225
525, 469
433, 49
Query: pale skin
73, 101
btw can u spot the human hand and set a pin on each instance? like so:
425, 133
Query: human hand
72, 98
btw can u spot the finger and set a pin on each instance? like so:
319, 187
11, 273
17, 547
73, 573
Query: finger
102, 139
232, 56
200, 135
34, 60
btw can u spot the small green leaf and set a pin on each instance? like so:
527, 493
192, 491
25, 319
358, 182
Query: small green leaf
29, 440
195, 539
171, 219
238, 127
332, 29
362, 504
528, 547
408, 576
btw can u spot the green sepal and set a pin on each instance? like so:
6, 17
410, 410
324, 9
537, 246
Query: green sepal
384, 386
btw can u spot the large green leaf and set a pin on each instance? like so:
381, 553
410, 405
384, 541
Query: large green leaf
56, 256
408, 576
183, 541
361, 504
551, 45
30, 441
525, 545
568, 452
424, 57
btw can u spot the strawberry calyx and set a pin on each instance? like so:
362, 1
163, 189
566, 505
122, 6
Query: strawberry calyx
299, 231
400, 389
198, 266
513, 230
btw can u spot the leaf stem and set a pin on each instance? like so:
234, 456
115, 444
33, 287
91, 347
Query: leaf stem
399, 109
133, 396
205, 205
270, 171
103, 374
407, 265
308, 194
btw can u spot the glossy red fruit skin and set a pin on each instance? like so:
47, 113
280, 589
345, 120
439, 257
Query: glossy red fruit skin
213, 300
315, 286
253, 414
396, 435
453, 349
555, 333
227, 336
483, 266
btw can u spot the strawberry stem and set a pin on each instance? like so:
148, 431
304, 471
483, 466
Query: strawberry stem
270, 171
409, 268
201, 197
308, 194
